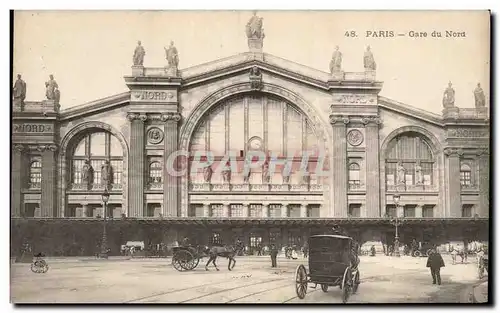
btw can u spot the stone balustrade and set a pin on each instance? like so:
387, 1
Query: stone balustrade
200, 187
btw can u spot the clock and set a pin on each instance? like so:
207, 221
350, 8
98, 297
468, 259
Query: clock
255, 143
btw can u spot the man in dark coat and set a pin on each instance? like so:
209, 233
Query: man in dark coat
435, 262
274, 255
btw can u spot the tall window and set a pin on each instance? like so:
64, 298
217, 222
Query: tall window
275, 210
467, 210
428, 211
35, 172
354, 180
216, 210
465, 175
236, 210
355, 210
97, 147
155, 172
255, 210
409, 210
215, 239
409, 160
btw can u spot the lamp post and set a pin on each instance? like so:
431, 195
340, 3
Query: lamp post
396, 222
104, 245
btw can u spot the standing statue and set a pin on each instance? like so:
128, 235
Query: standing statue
172, 56
207, 174
254, 28
479, 96
52, 89
265, 173
106, 174
87, 173
19, 90
336, 62
401, 171
226, 173
369, 60
419, 178
449, 97
139, 54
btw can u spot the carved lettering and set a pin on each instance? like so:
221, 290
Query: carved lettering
32, 128
153, 95
353, 99
468, 133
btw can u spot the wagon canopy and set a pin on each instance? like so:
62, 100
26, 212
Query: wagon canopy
329, 254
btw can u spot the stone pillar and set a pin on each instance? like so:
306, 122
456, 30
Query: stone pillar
339, 166
265, 210
136, 165
85, 210
484, 184
372, 167
284, 210
303, 210
170, 182
225, 210
16, 180
245, 209
454, 189
418, 211
400, 210
206, 210
49, 184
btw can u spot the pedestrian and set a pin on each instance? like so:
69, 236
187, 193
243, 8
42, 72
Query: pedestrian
274, 255
435, 262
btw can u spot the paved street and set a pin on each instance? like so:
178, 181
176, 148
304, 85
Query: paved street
383, 280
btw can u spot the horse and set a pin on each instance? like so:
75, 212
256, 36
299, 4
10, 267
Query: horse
461, 253
228, 252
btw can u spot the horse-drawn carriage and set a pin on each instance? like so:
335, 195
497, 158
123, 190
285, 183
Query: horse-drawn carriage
39, 265
186, 258
333, 261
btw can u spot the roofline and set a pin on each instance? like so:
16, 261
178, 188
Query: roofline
410, 111
95, 105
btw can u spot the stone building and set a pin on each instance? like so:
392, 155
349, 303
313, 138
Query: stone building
374, 148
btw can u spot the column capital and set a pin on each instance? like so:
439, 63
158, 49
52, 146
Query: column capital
18, 147
371, 121
339, 120
137, 117
171, 117
453, 152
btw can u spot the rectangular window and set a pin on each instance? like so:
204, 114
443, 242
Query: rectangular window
390, 171
294, 238
409, 210
117, 166
313, 210
275, 210
274, 237
428, 211
294, 210
215, 239
427, 173
355, 210
77, 171
467, 210
255, 210
465, 178
216, 210
35, 172
96, 165
236, 210
391, 210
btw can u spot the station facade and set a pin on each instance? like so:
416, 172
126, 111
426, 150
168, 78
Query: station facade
373, 148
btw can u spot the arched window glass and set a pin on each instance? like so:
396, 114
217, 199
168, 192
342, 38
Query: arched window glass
35, 174
96, 147
354, 179
155, 172
465, 175
409, 161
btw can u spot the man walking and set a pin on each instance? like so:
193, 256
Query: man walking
274, 255
435, 262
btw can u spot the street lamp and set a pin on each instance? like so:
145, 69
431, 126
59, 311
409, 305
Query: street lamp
396, 223
104, 246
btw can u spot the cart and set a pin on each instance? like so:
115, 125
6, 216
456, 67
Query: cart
186, 258
332, 262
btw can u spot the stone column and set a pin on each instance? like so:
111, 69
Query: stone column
265, 210
245, 209
49, 184
85, 210
284, 210
400, 210
136, 165
303, 210
484, 184
454, 189
339, 166
170, 182
418, 211
206, 210
372, 167
16, 180
225, 209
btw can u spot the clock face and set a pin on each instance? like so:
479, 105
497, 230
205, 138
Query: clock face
255, 144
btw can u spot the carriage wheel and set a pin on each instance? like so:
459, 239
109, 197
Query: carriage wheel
180, 259
34, 268
324, 287
196, 262
346, 285
356, 282
428, 252
301, 281
417, 254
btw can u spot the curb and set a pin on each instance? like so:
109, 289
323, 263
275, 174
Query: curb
477, 295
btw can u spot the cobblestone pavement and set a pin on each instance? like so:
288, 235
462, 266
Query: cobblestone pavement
383, 280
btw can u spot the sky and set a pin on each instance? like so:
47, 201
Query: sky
89, 52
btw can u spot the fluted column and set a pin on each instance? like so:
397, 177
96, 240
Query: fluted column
16, 180
484, 183
372, 167
136, 165
339, 166
48, 196
454, 189
170, 182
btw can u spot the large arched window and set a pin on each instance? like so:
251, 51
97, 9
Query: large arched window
409, 161
96, 148
35, 172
